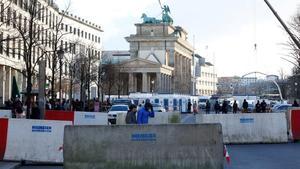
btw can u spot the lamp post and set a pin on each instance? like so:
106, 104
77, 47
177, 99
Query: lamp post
60, 54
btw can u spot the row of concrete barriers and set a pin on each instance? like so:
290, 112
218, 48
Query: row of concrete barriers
117, 146
256, 127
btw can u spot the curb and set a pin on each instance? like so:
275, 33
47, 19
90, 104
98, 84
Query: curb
9, 165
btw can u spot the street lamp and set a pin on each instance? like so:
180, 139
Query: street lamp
60, 54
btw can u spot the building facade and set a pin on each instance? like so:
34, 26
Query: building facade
50, 29
205, 77
159, 60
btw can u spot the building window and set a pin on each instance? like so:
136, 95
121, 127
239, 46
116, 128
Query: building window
21, 3
7, 45
98, 39
66, 28
13, 48
8, 16
14, 19
25, 24
85, 35
46, 19
2, 13
62, 26
19, 50
43, 14
20, 21
1, 42
71, 29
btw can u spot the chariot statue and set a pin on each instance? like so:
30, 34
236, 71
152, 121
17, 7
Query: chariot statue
166, 18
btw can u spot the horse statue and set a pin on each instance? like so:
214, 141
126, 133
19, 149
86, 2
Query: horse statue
147, 19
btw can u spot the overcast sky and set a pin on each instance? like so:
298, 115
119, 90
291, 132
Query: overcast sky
225, 31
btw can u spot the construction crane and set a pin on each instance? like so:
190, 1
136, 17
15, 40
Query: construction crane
297, 43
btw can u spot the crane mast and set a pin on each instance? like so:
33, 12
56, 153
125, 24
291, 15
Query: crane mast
297, 43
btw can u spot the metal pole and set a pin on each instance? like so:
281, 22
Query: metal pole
297, 43
60, 54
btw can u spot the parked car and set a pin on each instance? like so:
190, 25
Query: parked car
123, 102
115, 110
158, 108
281, 108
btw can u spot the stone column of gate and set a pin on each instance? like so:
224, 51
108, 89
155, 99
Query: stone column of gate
8, 83
144, 81
168, 84
130, 83
2, 85
158, 82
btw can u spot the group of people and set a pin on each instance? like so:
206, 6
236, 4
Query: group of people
140, 116
260, 107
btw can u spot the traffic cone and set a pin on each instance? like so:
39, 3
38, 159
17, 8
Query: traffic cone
226, 154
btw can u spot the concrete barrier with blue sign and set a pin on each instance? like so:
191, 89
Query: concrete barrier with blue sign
34, 140
249, 128
90, 118
144, 147
5, 113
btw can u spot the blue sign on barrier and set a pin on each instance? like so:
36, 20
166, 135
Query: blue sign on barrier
247, 120
143, 137
46, 129
89, 116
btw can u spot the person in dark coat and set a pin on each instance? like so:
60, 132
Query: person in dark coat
207, 107
131, 115
35, 112
263, 106
217, 107
295, 104
257, 107
189, 107
234, 107
224, 107
245, 106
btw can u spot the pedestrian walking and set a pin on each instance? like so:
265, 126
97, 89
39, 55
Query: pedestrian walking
217, 107
144, 114
207, 107
245, 106
234, 107
131, 115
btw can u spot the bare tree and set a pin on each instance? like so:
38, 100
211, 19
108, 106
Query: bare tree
294, 56
34, 32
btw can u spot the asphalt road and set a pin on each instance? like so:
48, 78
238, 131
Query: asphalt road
256, 156
264, 156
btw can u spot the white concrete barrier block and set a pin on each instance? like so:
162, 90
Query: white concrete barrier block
35, 140
250, 128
